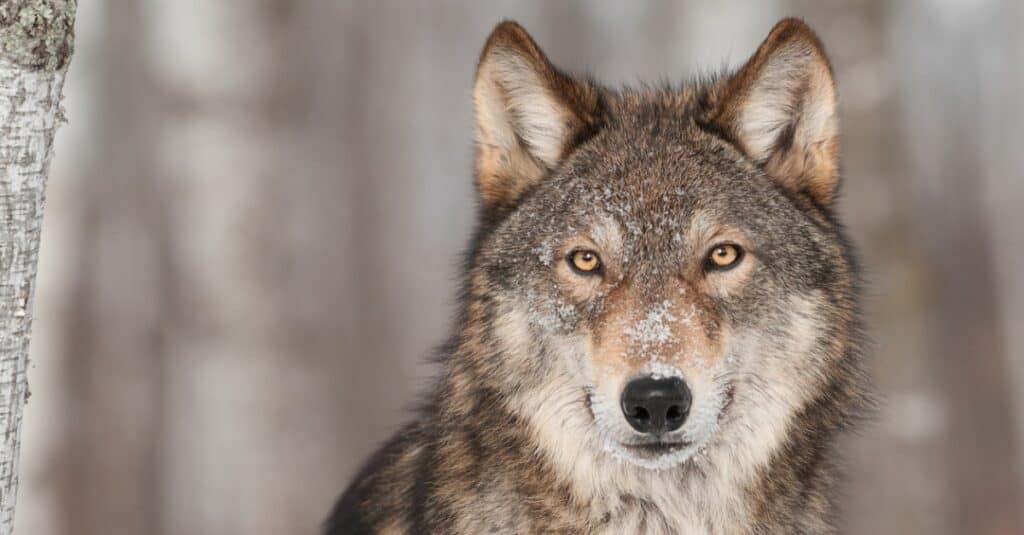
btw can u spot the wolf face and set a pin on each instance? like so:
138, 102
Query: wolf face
659, 329
662, 272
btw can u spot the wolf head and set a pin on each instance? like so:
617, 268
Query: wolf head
659, 273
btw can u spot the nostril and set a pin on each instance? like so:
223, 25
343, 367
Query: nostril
674, 413
640, 413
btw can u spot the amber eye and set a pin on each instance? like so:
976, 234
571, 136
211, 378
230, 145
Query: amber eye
724, 256
584, 261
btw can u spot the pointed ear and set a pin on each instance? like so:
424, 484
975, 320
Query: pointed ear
528, 116
781, 109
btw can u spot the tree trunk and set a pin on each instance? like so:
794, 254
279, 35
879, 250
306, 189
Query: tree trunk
35, 46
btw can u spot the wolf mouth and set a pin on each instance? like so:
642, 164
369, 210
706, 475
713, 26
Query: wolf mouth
656, 449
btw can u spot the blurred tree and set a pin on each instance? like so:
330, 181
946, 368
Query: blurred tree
35, 47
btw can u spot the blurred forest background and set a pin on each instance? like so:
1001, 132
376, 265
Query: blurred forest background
256, 211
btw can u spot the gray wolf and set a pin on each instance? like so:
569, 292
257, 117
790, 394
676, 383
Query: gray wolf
659, 328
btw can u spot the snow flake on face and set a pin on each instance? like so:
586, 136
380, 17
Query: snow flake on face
566, 312
544, 253
634, 228
550, 313
658, 370
653, 330
653, 334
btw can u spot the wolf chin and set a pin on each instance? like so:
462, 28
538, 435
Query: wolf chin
659, 329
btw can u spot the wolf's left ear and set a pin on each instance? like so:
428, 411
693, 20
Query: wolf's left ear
528, 116
781, 109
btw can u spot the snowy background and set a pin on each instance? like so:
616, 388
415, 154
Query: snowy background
256, 211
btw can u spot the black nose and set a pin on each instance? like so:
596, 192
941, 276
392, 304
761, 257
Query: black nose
656, 406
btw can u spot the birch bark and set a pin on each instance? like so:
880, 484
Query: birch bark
35, 47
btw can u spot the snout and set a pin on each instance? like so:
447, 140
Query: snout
656, 406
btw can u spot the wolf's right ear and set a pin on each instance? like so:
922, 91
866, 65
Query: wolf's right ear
528, 116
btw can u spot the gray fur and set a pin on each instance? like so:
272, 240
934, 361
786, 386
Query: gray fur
517, 437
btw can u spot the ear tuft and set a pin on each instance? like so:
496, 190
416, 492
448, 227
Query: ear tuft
781, 109
528, 115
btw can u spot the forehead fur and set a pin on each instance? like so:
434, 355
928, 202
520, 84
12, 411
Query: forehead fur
653, 164
657, 138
